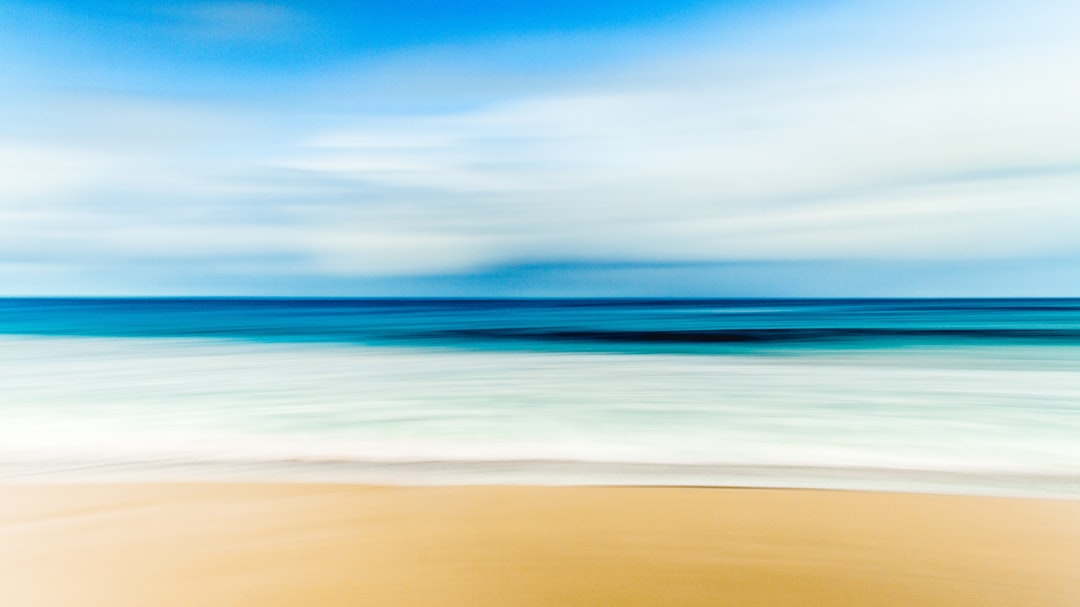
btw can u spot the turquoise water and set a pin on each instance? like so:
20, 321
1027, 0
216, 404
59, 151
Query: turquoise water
977, 395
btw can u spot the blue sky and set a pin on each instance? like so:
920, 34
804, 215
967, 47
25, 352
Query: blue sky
664, 148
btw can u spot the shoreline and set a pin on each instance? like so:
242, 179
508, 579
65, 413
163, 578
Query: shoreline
232, 544
551, 473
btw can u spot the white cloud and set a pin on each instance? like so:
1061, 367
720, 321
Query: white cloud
32, 170
966, 152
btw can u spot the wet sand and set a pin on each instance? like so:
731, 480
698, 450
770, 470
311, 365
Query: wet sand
329, 545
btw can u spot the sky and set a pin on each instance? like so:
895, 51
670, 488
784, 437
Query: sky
668, 148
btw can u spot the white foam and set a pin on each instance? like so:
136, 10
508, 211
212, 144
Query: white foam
233, 405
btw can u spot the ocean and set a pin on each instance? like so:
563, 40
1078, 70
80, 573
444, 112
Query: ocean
971, 396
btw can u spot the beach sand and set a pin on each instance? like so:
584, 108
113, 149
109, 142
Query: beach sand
165, 545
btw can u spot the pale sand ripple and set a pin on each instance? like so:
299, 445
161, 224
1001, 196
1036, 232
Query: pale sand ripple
327, 545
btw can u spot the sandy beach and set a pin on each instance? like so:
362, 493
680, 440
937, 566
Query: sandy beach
302, 545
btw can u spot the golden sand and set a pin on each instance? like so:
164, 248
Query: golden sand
320, 546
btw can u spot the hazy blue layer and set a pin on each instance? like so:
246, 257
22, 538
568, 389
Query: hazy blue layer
969, 395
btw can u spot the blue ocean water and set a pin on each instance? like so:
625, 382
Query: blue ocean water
965, 395
554, 324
